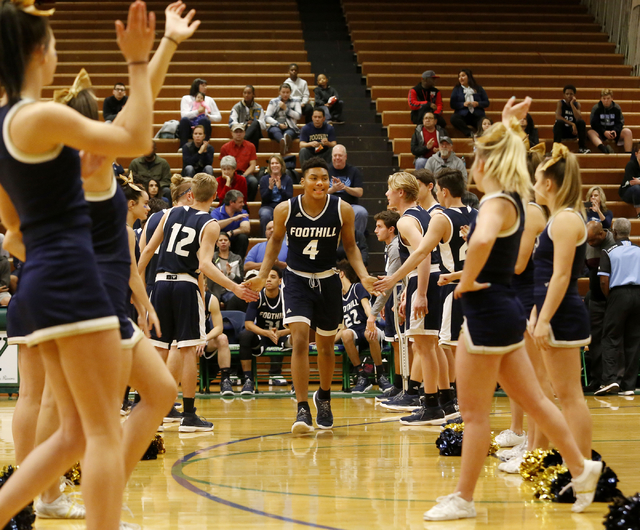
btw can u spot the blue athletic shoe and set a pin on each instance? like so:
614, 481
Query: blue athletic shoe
388, 394
402, 402
324, 418
384, 384
362, 385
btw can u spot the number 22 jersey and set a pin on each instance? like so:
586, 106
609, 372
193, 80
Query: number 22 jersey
313, 241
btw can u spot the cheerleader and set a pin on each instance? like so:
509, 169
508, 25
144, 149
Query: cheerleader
492, 339
66, 309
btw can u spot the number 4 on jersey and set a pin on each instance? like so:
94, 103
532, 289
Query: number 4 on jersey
311, 249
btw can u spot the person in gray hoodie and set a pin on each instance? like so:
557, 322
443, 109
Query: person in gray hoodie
282, 118
249, 113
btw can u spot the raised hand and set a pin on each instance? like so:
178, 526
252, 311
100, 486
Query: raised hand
368, 283
255, 284
176, 26
136, 40
518, 111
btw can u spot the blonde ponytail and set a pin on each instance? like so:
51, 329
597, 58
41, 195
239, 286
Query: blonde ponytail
563, 169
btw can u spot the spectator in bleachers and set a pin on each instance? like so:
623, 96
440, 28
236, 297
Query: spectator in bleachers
201, 108
569, 122
346, 183
249, 113
446, 158
282, 118
256, 254
599, 239
299, 91
425, 140
246, 159
155, 167
216, 341
234, 221
468, 100
153, 190
630, 188
530, 129
620, 281
317, 138
425, 97
264, 328
607, 123
596, 205
197, 156
326, 98
187, 113
275, 187
231, 179
113, 104
485, 123
232, 266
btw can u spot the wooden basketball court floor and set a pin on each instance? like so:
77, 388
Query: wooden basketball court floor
367, 473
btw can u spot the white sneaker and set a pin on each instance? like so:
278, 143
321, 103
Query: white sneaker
129, 526
450, 507
62, 508
160, 428
584, 486
514, 452
509, 438
512, 466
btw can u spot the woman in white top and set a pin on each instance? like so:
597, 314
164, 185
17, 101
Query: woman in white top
187, 113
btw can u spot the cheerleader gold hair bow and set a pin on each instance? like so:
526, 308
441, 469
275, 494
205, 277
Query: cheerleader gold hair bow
559, 152
82, 82
541, 149
128, 181
28, 6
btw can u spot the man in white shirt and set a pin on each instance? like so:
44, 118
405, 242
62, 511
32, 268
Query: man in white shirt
300, 92
188, 112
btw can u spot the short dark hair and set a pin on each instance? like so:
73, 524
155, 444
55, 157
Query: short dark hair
195, 86
567, 87
284, 85
278, 271
313, 162
157, 205
294, 64
225, 234
344, 266
389, 218
452, 180
21, 35
253, 90
119, 84
232, 196
318, 110
425, 176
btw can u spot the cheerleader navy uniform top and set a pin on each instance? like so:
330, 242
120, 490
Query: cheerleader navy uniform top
523, 283
111, 246
494, 318
570, 325
312, 291
61, 292
430, 323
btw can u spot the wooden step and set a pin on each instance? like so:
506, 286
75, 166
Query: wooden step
175, 92
434, 34
272, 33
586, 95
445, 14
567, 70
550, 46
195, 44
99, 76
453, 25
194, 69
269, 13
537, 60
248, 58
266, 145
237, 25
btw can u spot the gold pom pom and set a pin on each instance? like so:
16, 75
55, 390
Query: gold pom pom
493, 448
455, 427
74, 474
542, 487
532, 464
159, 442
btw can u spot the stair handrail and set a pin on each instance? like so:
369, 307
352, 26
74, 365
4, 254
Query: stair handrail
620, 19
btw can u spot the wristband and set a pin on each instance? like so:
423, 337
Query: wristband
172, 40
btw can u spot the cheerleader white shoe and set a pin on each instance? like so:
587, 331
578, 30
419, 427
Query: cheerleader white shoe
450, 507
584, 486
509, 438
512, 466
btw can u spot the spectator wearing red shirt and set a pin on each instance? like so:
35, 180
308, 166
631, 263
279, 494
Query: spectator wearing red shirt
425, 141
426, 97
231, 179
244, 153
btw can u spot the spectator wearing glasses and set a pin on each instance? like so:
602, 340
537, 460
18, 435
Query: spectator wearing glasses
426, 140
113, 104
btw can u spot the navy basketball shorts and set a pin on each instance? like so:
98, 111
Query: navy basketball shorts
316, 302
451, 316
494, 320
178, 303
17, 331
431, 322
61, 291
115, 278
570, 326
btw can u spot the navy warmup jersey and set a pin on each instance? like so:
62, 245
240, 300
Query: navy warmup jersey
150, 228
313, 241
435, 253
501, 263
453, 252
422, 216
182, 234
266, 313
354, 316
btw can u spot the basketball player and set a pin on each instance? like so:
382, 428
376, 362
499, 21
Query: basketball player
314, 223
264, 328
186, 237
494, 323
